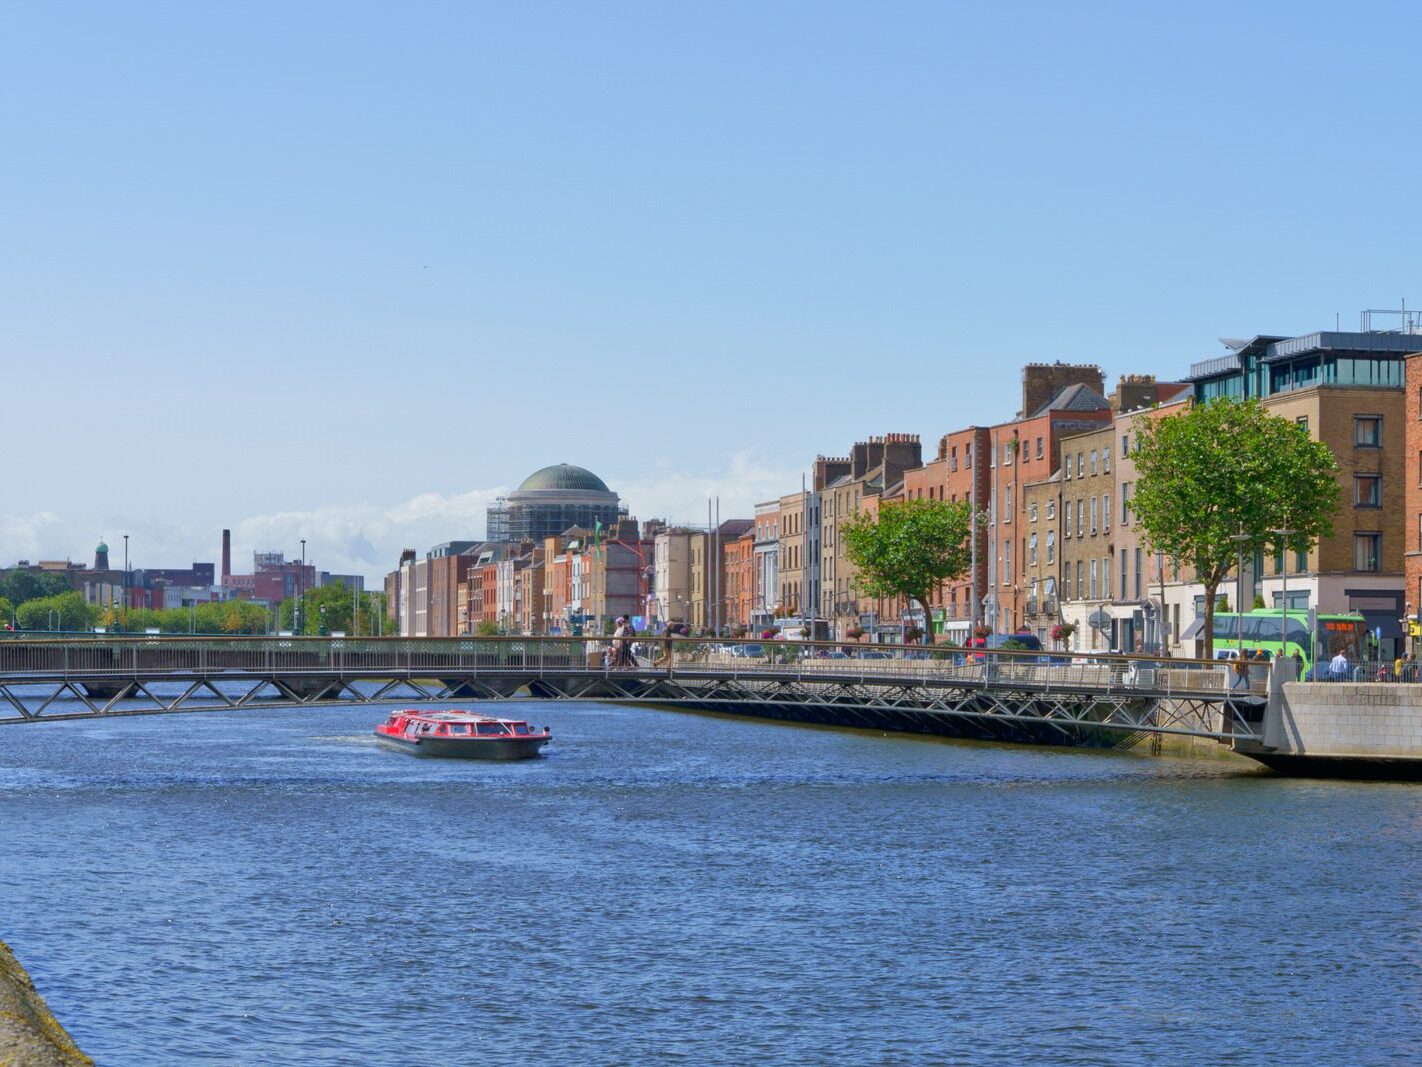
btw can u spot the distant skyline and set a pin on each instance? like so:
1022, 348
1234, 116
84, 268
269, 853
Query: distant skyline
347, 271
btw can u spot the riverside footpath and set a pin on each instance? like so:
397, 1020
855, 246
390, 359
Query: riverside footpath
30, 1036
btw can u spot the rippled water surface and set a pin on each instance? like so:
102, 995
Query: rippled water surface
270, 888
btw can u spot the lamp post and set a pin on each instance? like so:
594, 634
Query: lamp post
1240, 539
1283, 533
301, 589
125, 582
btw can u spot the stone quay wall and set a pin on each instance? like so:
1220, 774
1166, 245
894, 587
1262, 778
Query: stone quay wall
29, 1035
1346, 719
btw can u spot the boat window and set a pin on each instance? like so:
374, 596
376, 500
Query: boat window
521, 728
444, 729
486, 728
461, 728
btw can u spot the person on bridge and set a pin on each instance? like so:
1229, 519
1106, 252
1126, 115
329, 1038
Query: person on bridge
622, 643
1339, 669
1241, 671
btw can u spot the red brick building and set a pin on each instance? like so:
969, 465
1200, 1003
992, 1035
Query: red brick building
1412, 504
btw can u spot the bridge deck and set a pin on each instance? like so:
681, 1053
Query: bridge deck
897, 688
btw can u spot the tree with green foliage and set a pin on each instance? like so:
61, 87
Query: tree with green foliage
1217, 480
485, 628
338, 600
17, 586
66, 611
213, 617
7, 613
910, 549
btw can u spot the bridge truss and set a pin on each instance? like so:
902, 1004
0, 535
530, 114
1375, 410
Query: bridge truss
1002, 697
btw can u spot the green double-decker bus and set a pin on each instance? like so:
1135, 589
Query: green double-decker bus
1278, 634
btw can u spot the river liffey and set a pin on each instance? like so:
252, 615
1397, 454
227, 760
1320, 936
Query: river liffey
268, 887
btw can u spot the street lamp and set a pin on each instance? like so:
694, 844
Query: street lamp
1240, 539
1283, 533
125, 581
301, 589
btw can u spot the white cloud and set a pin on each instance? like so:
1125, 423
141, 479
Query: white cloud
366, 538
665, 492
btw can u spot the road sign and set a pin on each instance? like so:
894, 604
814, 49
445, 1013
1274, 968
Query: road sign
1099, 620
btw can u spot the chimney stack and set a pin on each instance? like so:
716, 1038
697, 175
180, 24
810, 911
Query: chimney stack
226, 556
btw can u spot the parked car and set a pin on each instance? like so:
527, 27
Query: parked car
747, 651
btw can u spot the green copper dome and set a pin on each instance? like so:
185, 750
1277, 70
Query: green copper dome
102, 547
564, 476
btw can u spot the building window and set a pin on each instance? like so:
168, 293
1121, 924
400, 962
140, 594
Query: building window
1367, 490
1066, 469
1032, 550
1366, 551
1302, 422
1124, 587
1007, 562
1106, 460
1138, 575
1093, 516
1080, 517
1367, 431
968, 457
1125, 503
1051, 509
1032, 512
1081, 464
1106, 512
1039, 448
1051, 546
1092, 572
1080, 580
1105, 579
1007, 453
1093, 461
1125, 444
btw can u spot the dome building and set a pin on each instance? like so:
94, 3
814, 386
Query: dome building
549, 502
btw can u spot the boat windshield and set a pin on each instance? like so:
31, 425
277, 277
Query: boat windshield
521, 728
487, 728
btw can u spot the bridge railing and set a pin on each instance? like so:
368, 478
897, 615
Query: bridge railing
829, 662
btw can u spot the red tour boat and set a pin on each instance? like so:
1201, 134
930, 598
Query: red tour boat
460, 735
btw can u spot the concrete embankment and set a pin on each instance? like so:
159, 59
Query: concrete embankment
29, 1035
1343, 729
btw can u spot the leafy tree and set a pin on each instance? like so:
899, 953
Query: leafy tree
911, 548
17, 586
339, 602
1216, 480
485, 628
66, 611
7, 612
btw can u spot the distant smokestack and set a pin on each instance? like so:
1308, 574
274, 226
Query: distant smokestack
226, 555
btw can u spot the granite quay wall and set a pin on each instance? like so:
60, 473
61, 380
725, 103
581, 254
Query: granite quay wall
29, 1035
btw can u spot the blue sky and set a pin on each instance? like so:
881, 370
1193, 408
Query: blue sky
344, 271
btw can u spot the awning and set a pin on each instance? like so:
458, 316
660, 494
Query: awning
1194, 630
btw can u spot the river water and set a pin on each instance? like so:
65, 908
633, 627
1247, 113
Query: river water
268, 887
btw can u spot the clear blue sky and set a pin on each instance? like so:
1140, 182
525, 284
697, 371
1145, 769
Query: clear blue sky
344, 269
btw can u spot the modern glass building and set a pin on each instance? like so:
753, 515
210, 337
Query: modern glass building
1266, 366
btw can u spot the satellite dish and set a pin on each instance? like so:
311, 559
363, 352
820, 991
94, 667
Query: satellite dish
1099, 620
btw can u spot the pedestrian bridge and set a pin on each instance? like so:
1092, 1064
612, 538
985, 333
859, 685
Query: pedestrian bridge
1003, 695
